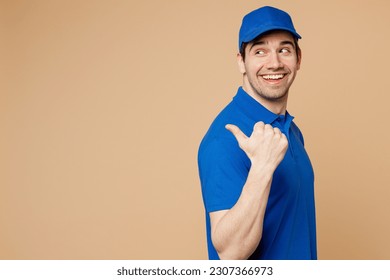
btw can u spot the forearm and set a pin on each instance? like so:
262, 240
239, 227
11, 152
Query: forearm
238, 232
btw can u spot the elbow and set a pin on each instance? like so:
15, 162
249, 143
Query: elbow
234, 254
235, 250
230, 255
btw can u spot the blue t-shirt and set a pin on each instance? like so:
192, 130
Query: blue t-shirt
289, 229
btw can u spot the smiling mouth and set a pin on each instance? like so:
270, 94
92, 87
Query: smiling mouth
273, 77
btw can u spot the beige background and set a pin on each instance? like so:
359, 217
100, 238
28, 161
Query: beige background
104, 103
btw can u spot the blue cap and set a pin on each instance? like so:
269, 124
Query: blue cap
263, 20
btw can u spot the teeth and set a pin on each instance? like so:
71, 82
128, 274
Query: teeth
273, 77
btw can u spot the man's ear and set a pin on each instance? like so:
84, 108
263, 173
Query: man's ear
299, 59
241, 63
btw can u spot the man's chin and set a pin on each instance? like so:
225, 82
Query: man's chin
274, 96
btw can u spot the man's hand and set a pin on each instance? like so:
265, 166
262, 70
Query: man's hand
266, 146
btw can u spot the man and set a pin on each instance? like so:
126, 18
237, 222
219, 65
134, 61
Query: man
257, 180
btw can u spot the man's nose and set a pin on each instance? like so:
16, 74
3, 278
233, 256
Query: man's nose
274, 61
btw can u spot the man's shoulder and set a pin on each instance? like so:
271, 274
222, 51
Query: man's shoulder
295, 129
218, 140
217, 133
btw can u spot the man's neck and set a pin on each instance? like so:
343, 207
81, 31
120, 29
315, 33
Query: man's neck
276, 106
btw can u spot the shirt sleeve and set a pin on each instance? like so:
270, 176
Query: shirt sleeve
223, 170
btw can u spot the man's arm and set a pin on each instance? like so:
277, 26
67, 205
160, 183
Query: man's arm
237, 232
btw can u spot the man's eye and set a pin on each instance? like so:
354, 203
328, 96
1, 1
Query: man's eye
260, 52
284, 50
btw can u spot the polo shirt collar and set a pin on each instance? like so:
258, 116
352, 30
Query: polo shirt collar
257, 112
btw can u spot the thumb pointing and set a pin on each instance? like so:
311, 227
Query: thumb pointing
240, 136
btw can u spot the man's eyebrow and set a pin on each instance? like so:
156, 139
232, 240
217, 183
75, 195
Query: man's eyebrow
287, 42
257, 43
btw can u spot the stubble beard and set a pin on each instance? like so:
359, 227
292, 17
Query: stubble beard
271, 95
274, 97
